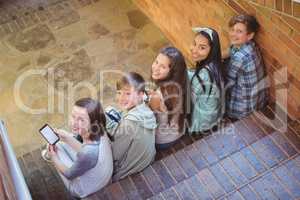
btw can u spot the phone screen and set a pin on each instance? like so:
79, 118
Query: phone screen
49, 134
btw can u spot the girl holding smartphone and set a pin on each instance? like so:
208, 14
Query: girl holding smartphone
84, 167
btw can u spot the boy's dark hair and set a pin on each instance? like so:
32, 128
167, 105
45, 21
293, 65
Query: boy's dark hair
250, 22
132, 79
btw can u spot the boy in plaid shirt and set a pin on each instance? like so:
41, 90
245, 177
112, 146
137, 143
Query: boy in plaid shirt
245, 73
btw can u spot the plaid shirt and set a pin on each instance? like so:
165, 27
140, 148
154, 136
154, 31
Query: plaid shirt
246, 82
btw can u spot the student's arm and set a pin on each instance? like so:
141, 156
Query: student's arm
234, 69
156, 103
69, 139
54, 157
86, 160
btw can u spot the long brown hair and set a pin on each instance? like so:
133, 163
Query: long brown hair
174, 86
96, 115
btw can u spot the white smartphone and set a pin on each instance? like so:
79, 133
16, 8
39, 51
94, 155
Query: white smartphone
48, 133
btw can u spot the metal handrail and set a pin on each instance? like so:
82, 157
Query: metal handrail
21, 188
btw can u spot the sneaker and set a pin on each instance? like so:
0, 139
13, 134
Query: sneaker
46, 156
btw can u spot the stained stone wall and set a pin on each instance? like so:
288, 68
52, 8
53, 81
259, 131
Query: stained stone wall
70, 42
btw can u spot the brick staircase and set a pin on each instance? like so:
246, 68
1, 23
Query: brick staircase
245, 159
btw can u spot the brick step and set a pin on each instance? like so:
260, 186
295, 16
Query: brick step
240, 171
222, 162
280, 182
229, 162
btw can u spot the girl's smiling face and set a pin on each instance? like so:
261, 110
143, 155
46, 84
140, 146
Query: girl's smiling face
200, 48
160, 67
80, 121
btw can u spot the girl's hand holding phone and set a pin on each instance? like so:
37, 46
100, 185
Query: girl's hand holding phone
52, 150
156, 102
63, 135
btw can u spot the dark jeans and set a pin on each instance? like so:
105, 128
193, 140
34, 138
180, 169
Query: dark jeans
166, 145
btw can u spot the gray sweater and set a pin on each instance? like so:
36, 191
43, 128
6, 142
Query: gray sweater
91, 170
134, 145
87, 159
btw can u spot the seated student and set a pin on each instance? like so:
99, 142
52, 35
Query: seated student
168, 72
84, 167
246, 85
206, 81
134, 140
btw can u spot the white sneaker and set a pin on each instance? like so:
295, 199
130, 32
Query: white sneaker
45, 155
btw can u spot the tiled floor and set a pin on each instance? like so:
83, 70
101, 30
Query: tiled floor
87, 42
246, 159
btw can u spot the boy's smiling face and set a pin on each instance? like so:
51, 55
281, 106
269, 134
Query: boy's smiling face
239, 35
128, 97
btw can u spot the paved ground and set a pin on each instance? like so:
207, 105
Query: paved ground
77, 41
246, 159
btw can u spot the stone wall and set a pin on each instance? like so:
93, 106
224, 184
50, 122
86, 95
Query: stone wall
76, 40
279, 37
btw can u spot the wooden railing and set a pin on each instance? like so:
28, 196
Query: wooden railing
12, 183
